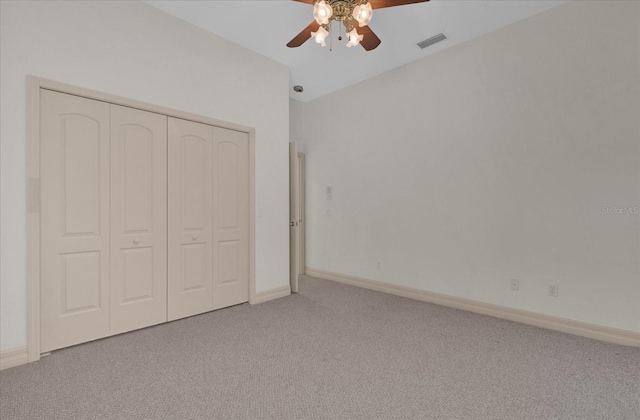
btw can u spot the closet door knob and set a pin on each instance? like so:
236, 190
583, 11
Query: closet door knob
136, 241
194, 237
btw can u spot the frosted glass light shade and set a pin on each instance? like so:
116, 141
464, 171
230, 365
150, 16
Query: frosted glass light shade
322, 12
363, 13
320, 36
354, 38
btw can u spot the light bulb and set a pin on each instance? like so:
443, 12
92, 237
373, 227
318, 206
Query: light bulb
363, 13
320, 36
354, 38
322, 12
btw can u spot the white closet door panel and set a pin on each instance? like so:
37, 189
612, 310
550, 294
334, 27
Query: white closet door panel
74, 147
138, 219
230, 217
190, 236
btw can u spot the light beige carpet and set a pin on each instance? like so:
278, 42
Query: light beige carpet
335, 352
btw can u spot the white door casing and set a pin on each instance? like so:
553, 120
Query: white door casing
302, 262
296, 215
293, 217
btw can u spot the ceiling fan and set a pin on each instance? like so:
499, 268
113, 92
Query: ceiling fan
355, 15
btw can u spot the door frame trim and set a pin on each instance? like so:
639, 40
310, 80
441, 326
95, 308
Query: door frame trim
294, 216
34, 85
298, 221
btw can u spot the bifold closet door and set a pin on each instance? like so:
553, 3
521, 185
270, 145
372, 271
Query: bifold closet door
230, 217
208, 218
190, 207
103, 219
138, 219
74, 173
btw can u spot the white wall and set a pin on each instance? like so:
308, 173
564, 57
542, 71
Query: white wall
491, 161
133, 50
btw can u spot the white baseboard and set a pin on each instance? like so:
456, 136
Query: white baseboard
584, 329
272, 294
14, 357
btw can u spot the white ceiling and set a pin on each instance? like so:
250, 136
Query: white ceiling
265, 26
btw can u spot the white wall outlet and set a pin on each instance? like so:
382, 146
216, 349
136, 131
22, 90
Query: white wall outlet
329, 193
553, 289
514, 285
329, 212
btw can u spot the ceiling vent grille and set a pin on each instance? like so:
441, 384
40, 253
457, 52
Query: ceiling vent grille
434, 39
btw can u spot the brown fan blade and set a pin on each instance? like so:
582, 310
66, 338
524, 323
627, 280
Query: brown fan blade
303, 36
370, 40
305, 1
379, 4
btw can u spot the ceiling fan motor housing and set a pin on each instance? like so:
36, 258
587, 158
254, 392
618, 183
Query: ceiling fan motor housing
341, 9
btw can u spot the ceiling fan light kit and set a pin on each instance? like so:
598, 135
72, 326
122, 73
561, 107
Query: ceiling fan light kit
363, 13
320, 36
355, 15
322, 12
354, 38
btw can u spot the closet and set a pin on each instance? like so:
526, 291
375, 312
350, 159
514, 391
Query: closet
144, 218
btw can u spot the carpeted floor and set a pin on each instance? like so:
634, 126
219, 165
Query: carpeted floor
331, 351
